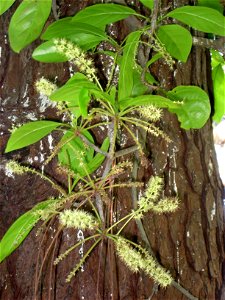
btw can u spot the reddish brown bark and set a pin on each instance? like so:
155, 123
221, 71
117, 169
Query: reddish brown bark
189, 242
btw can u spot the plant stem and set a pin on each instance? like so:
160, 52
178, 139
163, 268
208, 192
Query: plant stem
126, 151
67, 252
88, 143
125, 224
183, 291
46, 178
121, 220
73, 272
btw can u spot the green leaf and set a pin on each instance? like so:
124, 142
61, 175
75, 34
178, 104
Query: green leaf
83, 100
190, 104
30, 133
75, 110
218, 77
150, 79
128, 65
154, 59
103, 14
103, 96
201, 18
27, 22
216, 4
138, 86
148, 3
71, 90
156, 100
5, 4
47, 53
216, 58
84, 35
194, 108
75, 154
96, 162
177, 40
20, 229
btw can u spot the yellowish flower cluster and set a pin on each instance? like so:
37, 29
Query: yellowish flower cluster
79, 219
159, 47
152, 193
157, 132
120, 168
150, 113
14, 127
149, 200
76, 56
45, 87
16, 168
166, 205
141, 260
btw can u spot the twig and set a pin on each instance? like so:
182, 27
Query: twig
183, 290
154, 291
99, 205
126, 151
154, 16
111, 134
109, 161
217, 44
88, 143
54, 10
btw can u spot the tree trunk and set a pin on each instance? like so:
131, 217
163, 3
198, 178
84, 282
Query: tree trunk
189, 242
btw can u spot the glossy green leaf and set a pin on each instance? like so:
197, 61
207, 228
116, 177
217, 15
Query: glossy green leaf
190, 104
5, 5
201, 18
27, 22
112, 94
100, 15
83, 100
75, 110
150, 79
215, 4
194, 108
75, 154
30, 133
103, 96
127, 66
148, 3
71, 90
154, 59
54, 29
47, 53
80, 33
139, 88
218, 76
216, 58
20, 229
156, 100
177, 40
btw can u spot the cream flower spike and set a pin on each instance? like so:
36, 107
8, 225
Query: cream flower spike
45, 87
79, 219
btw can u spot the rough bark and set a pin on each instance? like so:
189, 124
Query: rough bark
189, 242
